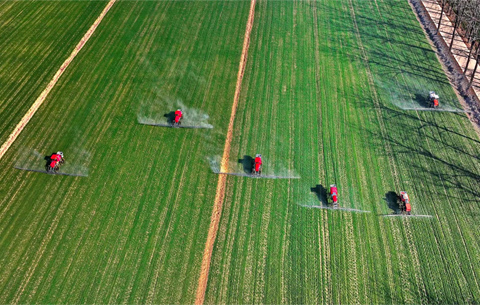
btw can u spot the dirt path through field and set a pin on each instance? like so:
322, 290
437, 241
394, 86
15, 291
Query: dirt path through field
39, 101
222, 179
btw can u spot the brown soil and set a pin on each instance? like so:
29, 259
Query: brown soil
222, 180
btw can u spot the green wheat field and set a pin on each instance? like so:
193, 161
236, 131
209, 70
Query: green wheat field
323, 98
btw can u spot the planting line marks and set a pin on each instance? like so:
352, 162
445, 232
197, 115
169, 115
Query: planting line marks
42, 248
323, 237
380, 118
408, 230
220, 193
376, 101
39, 101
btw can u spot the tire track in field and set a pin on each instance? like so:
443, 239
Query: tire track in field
21, 126
410, 239
324, 239
381, 123
39, 101
461, 232
43, 247
407, 230
453, 214
222, 179
371, 82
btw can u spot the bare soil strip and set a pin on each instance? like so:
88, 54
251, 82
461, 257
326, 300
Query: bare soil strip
222, 180
39, 101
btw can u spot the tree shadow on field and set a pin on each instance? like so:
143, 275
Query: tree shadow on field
404, 116
321, 193
247, 163
170, 117
432, 166
392, 66
392, 200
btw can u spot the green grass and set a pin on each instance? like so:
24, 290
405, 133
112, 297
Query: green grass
134, 230
36, 37
321, 95
321, 98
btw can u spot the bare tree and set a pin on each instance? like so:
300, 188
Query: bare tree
474, 45
466, 16
477, 58
474, 22
442, 4
460, 6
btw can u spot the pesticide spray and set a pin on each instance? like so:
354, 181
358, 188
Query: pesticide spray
156, 111
34, 161
243, 169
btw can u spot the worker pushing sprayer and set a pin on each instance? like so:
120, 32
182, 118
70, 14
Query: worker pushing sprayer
433, 99
257, 164
333, 195
178, 117
405, 203
55, 161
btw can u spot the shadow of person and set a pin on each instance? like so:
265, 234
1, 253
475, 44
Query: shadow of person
422, 100
48, 160
170, 117
392, 200
247, 163
321, 193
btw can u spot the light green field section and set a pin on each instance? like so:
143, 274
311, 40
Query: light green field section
36, 37
322, 93
134, 230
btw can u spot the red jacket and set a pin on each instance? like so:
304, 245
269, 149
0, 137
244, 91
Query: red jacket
178, 116
258, 163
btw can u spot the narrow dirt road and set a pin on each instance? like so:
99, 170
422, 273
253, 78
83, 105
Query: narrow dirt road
222, 179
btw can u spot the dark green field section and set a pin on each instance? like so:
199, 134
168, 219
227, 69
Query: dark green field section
134, 230
35, 38
322, 96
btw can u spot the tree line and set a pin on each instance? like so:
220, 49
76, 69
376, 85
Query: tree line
465, 16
